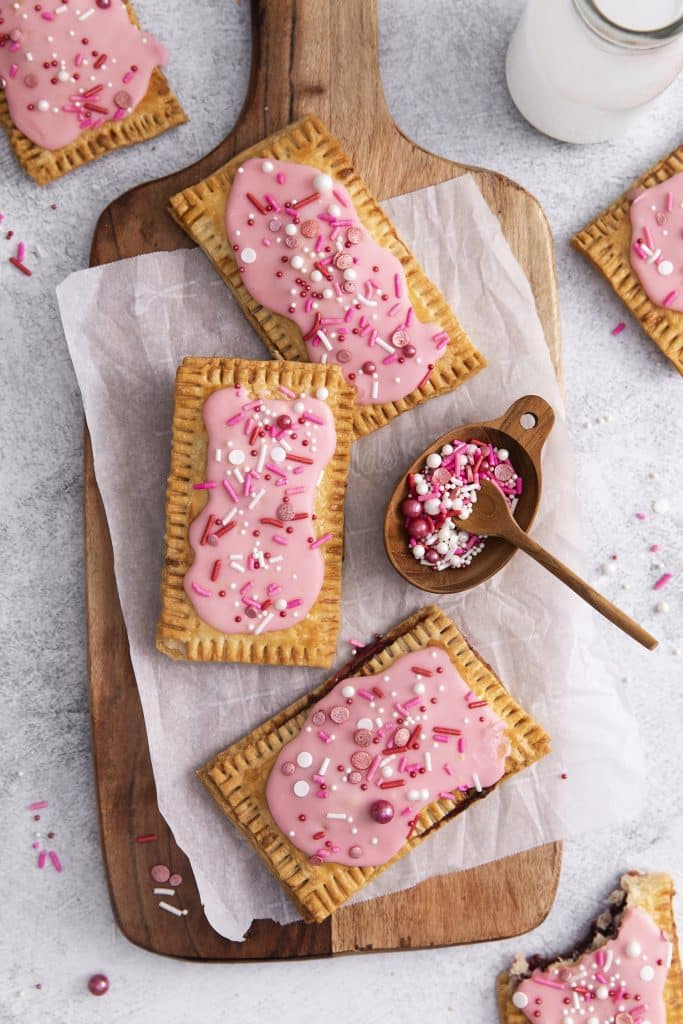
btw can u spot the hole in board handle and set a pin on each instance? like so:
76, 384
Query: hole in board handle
528, 420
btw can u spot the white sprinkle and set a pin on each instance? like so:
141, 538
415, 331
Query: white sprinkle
374, 391
477, 783
261, 457
428, 761
237, 566
322, 770
336, 817
238, 475
325, 340
383, 344
82, 17
164, 892
167, 906
366, 302
255, 500
218, 455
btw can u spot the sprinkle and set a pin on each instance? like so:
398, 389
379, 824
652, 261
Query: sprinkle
150, 838
540, 980
663, 580
286, 391
38, 805
42, 857
648, 237
339, 197
204, 485
376, 761
441, 729
336, 816
202, 591
669, 202
392, 784
618, 329
325, 737
56, 862
641, 516
416, 670
447, 768
668, 299
477, 783
257, 497
225, 529
20, 266
172, 910
207, 528
321, 540
215, 572
440, 739
263, 623
428, 761
295, 603
322, 770
445, 795
279, 539
300, 458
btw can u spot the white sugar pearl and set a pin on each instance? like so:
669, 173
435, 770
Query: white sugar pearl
299, 408
421, 488
328, 293
297, 263
316, 275
42, 106
348, 691
267, 167
350, 274
633, 949
291, 229
413, 794
647, 973
419, 688
334, 210
609, 568
442, 547
432, 506
63, 75
364, 723
520, 1000
447, 449
418, 551
304, 759
424, 794
387, 771
280, 604
323, 394
322, 183
602, 992
236, 457
247, 255
662, 607
301, 788
374, 840
278, 454
661, 505
665, 268
434, 460
503, 453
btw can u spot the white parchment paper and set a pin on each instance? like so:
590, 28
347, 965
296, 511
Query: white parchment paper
128, 325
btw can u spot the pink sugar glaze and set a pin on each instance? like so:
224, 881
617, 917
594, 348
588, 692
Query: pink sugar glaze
108, 31
294, 567
371, 308
657, 216
445, 770
593, 984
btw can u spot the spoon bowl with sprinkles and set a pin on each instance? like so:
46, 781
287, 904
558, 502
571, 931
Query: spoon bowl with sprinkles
424, 534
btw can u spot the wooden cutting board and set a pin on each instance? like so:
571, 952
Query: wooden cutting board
321, 58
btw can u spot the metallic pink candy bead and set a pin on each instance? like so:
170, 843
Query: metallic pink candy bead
382, 811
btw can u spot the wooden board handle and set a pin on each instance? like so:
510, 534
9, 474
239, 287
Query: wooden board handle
593, 597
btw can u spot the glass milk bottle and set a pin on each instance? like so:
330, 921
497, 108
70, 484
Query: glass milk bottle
582, 70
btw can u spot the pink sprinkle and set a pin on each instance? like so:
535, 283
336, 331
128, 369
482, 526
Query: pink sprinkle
205, 485
654, 547
127, 77
252, 405
321, 540
641, 516
274, 469
234, 419
273, 202
202, 591
600, 958
540, 980
280, 178
294, 490
38, 805
601, 978
324, 736
48, 16
440, 739
391, 358
461, 744
410, 703
407, 810
42, 857
619, 994
402, 765
348, 316
231, 490
279, 539
668, 299
373, 767
287, 391
120, 113
409, 317
618, 329
669, 202
358, 644
273, 588
295, 603
34, 846
319, 244
648, 237
440, 336
56, 863
13, 70
245, 588
267, 243
366, 694
663, 580
447, 768
78, 60
394, 309
442, 343
339, 197
446, 796
397, 285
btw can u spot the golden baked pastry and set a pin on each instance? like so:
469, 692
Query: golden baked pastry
359, 296
479, 737
255, 512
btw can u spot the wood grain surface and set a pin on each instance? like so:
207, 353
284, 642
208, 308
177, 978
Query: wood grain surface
296, 69
525, 445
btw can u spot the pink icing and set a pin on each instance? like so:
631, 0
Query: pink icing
258, 563
620, 983
49, 103
402, 738
346, 294
657, 242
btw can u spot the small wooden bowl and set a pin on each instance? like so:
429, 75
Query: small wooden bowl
523, 430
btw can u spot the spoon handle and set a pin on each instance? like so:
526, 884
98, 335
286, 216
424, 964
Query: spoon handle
583, 589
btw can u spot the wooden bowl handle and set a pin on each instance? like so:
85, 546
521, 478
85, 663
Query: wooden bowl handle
531, 437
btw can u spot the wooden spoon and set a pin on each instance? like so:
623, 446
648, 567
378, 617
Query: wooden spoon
523, 430
491, 517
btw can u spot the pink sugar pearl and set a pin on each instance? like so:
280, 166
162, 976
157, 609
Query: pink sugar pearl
98, 984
